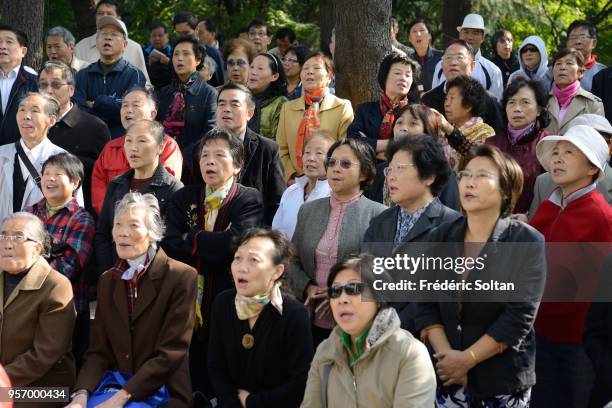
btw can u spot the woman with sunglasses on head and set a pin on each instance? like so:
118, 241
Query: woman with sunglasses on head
329, 229
368, 360
239, 56
484, 342
268, 83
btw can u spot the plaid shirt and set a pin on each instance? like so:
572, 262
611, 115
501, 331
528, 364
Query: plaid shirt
75, 227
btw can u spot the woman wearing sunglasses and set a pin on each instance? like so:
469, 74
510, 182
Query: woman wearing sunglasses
330, 229
368, 360
240, 55
533, 59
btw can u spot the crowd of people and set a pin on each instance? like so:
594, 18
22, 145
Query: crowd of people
196, 223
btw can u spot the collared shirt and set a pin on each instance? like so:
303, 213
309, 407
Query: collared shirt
360, 346
65, 113
33, 154
6, 84
557, 195
406, 221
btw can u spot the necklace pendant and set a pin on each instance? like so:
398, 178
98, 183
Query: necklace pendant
248, 341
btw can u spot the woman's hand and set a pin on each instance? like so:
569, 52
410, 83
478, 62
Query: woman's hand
520, 217
79, 401
242, 396
118, 400
442, 123
324, 309
453, 365
314, 293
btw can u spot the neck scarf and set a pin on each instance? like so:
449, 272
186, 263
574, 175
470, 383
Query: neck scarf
212, 203
589, 64
389, 109
248, 307
566, 95
310, 121
175, 120
138, 265
261, 99
515, 134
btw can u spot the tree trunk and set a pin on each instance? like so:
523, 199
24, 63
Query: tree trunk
85, 18
362, 41
326, 23
28, 16
453, 12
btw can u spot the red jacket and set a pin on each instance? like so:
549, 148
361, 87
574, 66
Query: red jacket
112, 163
587, 219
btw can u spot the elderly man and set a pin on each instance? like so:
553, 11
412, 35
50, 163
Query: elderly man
259, 35
21, 162
60, 48
459, 59
101, 85
15, 80
87, 50
79, 132
207, 33
582, 35
486, 72
137, 104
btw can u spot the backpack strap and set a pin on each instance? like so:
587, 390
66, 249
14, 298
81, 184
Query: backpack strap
324, 383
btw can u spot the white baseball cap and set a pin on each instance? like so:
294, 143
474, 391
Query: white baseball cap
110, 20
585, 138
472, 21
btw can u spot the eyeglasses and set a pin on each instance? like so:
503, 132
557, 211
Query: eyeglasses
398, 168
236, 63
113, 34
479, 175
451, 58
529, 49
54, 85
289, 60
351, 289
258, 33
344, 163
18, 238
582, 37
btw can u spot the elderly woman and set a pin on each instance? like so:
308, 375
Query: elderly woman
37, 309
239, 54
309, 187
252, 325
331, 228
71, 229
368, 360
22, 161
294, 59
503, 56
533, 58
567, 98
187, 105
485, 352
202, 220
268, 83
143, 146
374, 120
318, 109
144, 316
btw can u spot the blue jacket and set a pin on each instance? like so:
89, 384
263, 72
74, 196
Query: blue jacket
25, 82
106, 91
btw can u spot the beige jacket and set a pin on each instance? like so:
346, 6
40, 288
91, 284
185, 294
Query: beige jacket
584, 102
395, 370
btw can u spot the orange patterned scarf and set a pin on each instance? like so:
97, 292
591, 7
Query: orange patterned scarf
310, 121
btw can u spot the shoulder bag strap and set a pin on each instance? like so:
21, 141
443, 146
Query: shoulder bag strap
24, 158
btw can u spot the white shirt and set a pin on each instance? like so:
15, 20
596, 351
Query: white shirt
285, 218
33, 154
6, 84
87, 51
78, 64
497, 83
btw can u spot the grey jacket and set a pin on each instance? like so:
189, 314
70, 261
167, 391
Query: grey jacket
312, 222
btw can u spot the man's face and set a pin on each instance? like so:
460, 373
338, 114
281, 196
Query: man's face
110, 42
580, 39
260, 39
135, 106
159, 38
233, 112
472, 36
184, 30
283, 44
58, 50
11, 52
205, 36
419, 36
51, 79
456, 61
106, 10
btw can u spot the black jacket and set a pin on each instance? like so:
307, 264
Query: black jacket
162, 186
24, 83
602, 87
428, 67
510, 323
507, 67
83, 135
492, 110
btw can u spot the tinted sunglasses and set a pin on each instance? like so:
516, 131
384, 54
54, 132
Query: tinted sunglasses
351, 289
529, 49
344, 163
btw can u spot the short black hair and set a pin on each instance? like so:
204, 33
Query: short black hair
283, 249
285, 32
22, 37
499, 34
278, 87
158, 24
421, 21
236, 146
211, 26
465, 45
258, 22
540, 93
583, 24
300, 51
396, 58
239, 87
185, 17
365, 154
70, 164
428, 156
198, 49
242, 30
109, 3
472, 93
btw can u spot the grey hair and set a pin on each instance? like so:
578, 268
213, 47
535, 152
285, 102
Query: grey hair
59, 31
147, 93
67, 72
155, 129
35, 229
211, 65
52, 106
148, 202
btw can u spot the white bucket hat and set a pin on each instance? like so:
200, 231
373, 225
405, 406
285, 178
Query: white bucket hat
597, 122
472, 21
585, 138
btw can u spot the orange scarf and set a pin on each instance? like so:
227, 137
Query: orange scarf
389, 109
310, 121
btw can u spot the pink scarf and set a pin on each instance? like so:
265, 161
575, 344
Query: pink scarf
566, 95
514, 134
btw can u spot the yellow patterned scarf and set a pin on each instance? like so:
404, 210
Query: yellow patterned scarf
247, 307
213, 202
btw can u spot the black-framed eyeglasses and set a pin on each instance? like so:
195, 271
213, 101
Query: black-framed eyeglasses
529, 49
351, 289
344, 163
55, 85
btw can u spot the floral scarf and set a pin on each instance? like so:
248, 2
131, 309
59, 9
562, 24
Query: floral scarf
310, 123
247, 307
389, 109
212, 203
175, 120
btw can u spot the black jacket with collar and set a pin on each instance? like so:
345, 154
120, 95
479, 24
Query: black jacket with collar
510, 323
24, 83
162, 186
83, 135
602, 87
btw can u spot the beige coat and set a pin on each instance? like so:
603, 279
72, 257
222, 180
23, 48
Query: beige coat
584, 102
395, 371
335, 116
